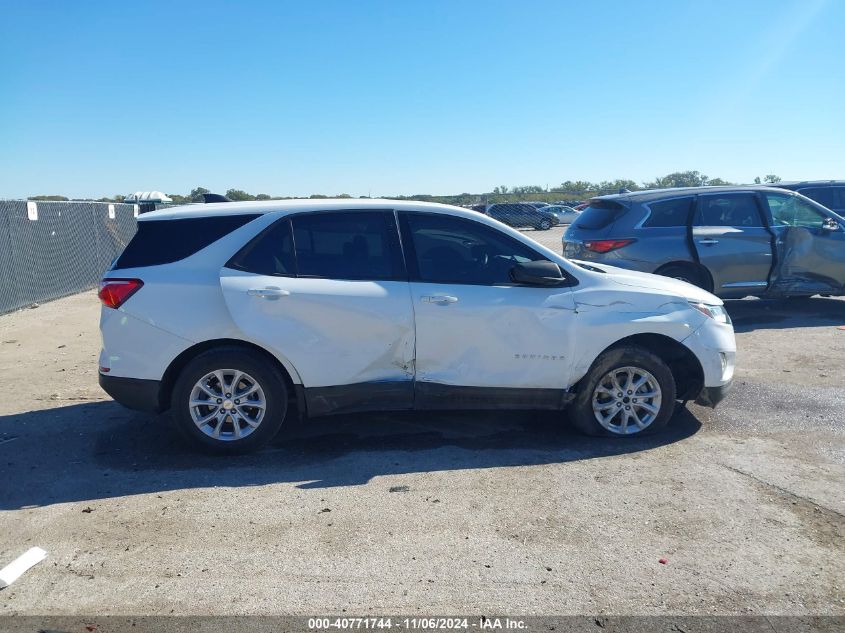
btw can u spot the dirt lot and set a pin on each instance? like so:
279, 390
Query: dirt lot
430, 513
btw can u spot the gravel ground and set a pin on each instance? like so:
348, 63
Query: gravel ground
430, 512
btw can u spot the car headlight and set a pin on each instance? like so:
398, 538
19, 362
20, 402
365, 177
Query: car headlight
717, 313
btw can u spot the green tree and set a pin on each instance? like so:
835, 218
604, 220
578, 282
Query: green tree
772, 178
238, 195
196, 193
46, 198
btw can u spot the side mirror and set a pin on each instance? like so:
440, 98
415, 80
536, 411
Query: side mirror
542, 273
830, 224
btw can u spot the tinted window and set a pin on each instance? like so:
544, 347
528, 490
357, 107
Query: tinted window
165, 241
825, 196
269, 253
792, 211
669, 212
347, 245
728, 210
454, 250
600, 214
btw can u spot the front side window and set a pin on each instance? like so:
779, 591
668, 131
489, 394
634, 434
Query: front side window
669, 212
728, 210
792, 211
347, 245
446, 249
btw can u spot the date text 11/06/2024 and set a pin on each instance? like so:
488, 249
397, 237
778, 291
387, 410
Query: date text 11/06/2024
384, 623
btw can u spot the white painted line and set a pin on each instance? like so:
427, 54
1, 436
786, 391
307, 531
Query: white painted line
31, 210
11, 572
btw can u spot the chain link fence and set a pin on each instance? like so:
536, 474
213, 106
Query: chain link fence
53, 249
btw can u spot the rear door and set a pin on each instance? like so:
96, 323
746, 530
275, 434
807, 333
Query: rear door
810, 247
733, 243
328, 292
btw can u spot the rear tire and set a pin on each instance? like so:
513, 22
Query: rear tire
239, 414
630, 388
687, 273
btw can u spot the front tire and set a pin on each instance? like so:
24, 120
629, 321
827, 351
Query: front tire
229, 401
628, 391
544, 225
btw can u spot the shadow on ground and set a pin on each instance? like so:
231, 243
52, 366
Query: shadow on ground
101, 450
774, 314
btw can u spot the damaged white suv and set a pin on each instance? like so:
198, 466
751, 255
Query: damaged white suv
235, 316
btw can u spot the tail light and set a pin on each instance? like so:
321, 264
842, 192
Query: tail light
114, 292
605, 246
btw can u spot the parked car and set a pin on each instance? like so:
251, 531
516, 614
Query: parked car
732, 241
564, 214
828, 193
521, 215
236, 317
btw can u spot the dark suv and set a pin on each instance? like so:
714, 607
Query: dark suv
732, 241
521, 215
828, 193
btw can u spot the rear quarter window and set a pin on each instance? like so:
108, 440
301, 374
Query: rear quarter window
669, 212
600, 214
165, 241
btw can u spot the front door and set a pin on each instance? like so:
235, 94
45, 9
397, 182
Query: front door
733, 243
481, 340
810, 247
328, 293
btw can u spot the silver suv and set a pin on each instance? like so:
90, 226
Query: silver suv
732, 241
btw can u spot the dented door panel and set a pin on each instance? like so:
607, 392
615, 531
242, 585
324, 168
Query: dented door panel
810, 261
493, 336
333, 332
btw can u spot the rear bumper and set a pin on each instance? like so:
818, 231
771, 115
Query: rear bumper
711, 396
133, 393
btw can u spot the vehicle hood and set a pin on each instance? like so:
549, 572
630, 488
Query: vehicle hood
662, 284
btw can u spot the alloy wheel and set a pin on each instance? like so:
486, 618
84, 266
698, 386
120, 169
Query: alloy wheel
227, 404
627, 400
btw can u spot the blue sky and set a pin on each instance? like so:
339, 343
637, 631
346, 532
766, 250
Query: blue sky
381, 98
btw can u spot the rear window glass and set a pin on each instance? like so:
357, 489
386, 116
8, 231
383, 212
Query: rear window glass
600, 214
165, 241
669, 212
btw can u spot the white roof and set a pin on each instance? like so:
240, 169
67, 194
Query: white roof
321, 204
147, 196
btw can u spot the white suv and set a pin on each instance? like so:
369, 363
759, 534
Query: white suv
235, 316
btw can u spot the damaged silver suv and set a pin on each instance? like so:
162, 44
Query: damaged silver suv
731, 241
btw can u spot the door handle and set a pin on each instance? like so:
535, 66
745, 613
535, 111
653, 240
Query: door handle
441, 299
708, 241
267, 293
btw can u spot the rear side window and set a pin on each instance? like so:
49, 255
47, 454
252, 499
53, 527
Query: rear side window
347, 245
669, 212
166, 241
600, 214
728, 210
